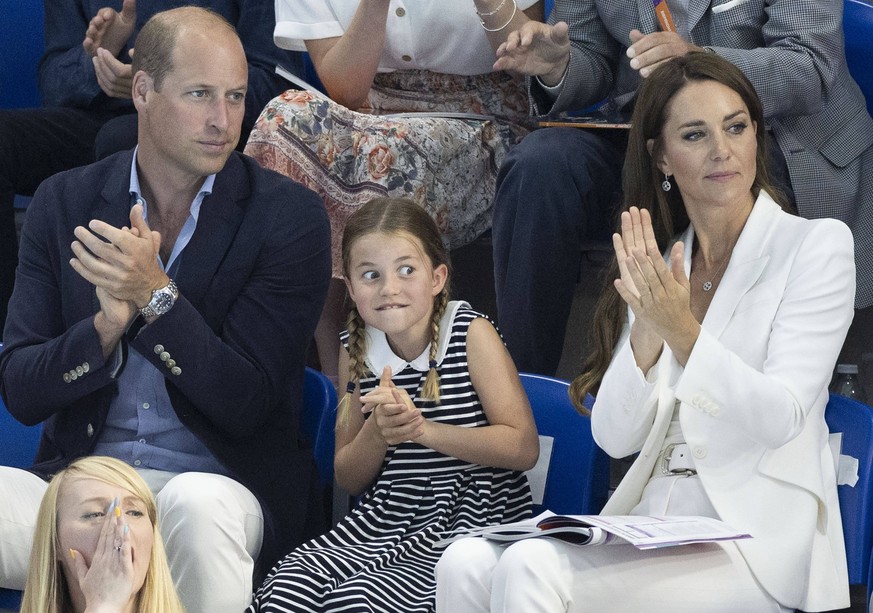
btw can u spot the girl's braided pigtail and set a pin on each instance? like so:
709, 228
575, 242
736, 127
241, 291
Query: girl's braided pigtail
357, 350
431, 388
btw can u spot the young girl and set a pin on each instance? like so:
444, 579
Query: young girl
436, 431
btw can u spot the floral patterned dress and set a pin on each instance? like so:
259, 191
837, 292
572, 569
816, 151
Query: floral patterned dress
445, 163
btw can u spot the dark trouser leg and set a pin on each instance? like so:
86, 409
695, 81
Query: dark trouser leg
555, 189
35, 144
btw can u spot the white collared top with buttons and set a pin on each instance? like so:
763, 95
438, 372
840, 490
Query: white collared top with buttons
440, 35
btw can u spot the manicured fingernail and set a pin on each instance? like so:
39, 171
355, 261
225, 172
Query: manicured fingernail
117, 511
72, 553
112, 505
126, 528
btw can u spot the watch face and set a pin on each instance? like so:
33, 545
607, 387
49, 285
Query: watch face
162, 302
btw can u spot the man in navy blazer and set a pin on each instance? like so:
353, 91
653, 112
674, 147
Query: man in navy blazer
84, 83
555, 189
164, 304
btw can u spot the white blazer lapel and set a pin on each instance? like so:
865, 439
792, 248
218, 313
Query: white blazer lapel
745, 267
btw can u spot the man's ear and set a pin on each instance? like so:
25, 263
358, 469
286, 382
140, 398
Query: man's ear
141, 86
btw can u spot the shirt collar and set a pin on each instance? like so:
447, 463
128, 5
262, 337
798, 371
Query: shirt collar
380, 354
136, 191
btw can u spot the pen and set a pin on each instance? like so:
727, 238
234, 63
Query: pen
664, 16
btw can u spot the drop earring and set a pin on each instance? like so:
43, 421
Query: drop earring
666, 185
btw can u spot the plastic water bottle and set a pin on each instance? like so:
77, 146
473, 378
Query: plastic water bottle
847, 383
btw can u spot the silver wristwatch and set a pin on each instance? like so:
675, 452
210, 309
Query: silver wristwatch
162, 300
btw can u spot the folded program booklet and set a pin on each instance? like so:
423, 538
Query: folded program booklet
643, 532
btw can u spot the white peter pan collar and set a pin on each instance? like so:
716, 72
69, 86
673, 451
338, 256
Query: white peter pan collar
380, 354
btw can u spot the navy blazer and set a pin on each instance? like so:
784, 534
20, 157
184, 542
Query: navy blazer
252, 282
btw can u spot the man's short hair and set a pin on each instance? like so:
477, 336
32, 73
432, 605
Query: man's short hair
155, 43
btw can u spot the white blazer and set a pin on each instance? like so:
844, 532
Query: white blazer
752, 397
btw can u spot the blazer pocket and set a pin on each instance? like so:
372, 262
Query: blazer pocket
726, 6
850, 140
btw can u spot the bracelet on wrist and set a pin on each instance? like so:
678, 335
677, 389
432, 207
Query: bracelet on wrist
495, 11
508, 21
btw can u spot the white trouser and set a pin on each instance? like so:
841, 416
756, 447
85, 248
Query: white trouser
475, 575
212, 527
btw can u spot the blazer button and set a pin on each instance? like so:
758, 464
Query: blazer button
90, 430
73, 375
171, 362
164, 356
80, 371
699, 452
176, 370
86, 367
67, 377
159, 348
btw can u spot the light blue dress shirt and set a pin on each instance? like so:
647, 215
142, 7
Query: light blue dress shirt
142, 428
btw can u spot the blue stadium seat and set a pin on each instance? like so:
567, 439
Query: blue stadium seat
858, 31
17, 447
855, 421
577, 477
21, 31
319, 409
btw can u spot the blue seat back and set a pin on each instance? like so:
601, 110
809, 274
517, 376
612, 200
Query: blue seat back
855, 421
319, 408
21, 30
18, 445
577, 479
10, 600
858, 32
18, 442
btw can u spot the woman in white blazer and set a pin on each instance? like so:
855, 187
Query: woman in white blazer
712, 362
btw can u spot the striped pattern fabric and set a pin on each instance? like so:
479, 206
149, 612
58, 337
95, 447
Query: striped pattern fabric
381, 557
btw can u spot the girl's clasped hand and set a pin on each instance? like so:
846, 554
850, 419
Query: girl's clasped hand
397, 417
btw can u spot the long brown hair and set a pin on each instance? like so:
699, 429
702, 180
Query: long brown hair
641, 183
394, 216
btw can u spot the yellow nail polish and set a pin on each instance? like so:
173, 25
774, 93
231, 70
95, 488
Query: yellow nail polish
117, 511
72, 553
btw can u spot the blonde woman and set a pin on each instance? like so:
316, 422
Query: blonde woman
97, 546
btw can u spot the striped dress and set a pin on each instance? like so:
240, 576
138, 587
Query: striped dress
382, 555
